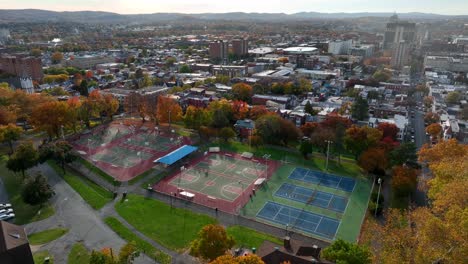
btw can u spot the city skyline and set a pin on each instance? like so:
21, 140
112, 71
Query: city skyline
454, 7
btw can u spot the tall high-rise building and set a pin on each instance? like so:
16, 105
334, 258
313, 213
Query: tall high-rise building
219, 50
400, 54
240, 47
397, 31
22, 66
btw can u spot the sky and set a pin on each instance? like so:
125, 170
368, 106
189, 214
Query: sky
448, 7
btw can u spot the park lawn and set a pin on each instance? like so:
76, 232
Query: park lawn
141, 244
40, 255
173, 228
250, 238
97, 171
78, 254
46, 236
24, 213
93, 194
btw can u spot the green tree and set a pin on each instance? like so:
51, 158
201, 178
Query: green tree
212, 242
61, 151
360, 108
185, 69
382, 76
308, 108
342, 252
227, 133
10, 133
24, 157
35, 52
37, 190
306, 148
404, 153
453, 97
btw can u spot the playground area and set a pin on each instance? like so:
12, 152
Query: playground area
125, 149
219, 180
311, 202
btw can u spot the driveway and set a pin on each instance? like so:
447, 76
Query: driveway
84, 224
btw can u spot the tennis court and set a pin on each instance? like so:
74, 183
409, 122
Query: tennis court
313, 197
103, 136
324, 179
220, 176
155, 140
121, 157
294, 218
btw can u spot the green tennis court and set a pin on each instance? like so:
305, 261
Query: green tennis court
220, 176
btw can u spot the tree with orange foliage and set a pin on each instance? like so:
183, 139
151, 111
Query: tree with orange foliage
95, 101
89, 74
229, 259
358, 139
404, 180
431, 118
308, 128
73, 114
257, 111
110, 105
374, 160
240, 109
212, 242
435, 130
50, 117
388, 130
77, 79
168, 110
242, 91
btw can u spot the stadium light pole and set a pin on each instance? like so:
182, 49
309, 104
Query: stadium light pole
266, 157
379, 181
328, 153
169, 112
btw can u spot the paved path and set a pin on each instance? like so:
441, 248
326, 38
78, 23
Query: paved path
84, 224
3, 193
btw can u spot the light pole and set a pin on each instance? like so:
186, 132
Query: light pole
266, 156
379, 182
328, 153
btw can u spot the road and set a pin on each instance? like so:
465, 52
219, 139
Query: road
420, 138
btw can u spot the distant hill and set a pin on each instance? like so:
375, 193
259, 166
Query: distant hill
36, 15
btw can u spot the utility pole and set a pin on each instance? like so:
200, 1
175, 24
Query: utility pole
328, 153
379, 181
169, 111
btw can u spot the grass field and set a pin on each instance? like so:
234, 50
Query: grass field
351, 219
173, 228
46, 236
78, 254
93, 194
41, 255
249, 238
142, 245
25, 213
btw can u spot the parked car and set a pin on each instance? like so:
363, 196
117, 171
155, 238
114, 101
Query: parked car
6, 211
5, 217
5, 205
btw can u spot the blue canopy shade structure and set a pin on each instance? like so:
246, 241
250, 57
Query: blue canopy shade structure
176, 155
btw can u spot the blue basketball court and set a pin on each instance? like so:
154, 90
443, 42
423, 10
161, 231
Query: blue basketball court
313, 197
299, 219
329, 180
